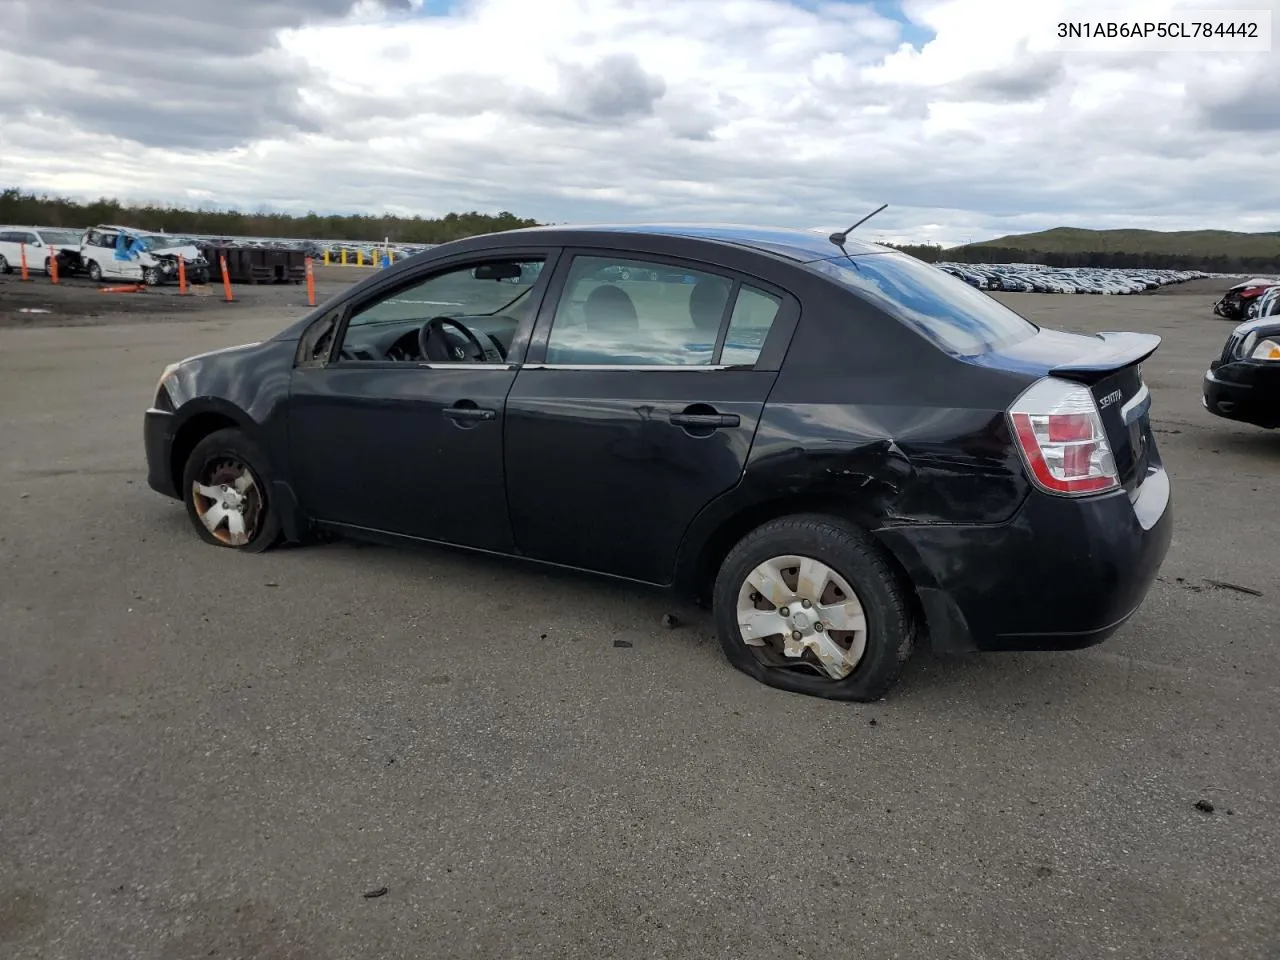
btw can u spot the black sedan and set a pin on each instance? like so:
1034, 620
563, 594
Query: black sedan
842, 450
1244, 382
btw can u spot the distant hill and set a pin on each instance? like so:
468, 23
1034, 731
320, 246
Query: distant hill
1182, 243
1219, 251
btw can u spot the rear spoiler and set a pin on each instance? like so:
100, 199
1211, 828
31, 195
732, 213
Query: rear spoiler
1112, 352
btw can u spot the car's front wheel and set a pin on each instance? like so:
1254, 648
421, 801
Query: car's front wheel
809, 604
95, 271
225, 489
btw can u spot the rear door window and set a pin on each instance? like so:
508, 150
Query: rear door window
621, 311
957, 317
753, 314
618, 311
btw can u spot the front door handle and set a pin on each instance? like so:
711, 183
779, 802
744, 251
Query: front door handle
705, 421
471, 412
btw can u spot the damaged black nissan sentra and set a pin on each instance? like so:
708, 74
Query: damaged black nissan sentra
843, 450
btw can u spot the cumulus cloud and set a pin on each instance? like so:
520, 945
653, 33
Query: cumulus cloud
806, 112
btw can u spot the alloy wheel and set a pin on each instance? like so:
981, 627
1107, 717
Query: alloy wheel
797, 612
229, 502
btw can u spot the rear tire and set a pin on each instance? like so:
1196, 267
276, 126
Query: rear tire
214, 492
849, 556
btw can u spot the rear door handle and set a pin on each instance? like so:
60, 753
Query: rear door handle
705, 420
469, 413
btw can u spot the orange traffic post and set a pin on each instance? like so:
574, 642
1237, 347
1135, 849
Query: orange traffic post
182, 274
311, 284
22, 251
226, 279
53, 265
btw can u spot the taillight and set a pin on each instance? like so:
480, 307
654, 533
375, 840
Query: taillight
1060, 433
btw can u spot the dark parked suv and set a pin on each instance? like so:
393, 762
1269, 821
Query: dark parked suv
842, 449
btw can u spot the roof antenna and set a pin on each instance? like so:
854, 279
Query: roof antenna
839, 237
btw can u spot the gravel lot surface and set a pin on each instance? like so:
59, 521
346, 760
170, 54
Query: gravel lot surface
212, 755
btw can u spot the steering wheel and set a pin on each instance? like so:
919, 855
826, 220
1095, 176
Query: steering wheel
437, 349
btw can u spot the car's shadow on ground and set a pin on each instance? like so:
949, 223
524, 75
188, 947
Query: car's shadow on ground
995, 681
986, 683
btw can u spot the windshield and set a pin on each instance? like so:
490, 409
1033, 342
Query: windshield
954, 315
60, 236
157, 242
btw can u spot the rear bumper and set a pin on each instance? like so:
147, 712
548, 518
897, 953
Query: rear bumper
1062, 574
1230, 392
157, 432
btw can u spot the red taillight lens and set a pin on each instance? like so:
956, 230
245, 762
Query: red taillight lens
1062, 439
1065, 427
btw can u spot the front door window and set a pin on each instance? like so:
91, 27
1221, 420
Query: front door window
466, 314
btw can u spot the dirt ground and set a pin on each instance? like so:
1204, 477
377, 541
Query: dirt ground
78, 301
348, 751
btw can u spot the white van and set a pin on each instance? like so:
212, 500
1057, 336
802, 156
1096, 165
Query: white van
122, 253
39, 242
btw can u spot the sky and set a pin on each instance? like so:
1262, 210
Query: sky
962, 115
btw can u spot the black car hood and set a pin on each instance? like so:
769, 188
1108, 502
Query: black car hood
197, 360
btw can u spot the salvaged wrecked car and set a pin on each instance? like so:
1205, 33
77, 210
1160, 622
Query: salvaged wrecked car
844, 451
1235, 303
120, 253
1243, 383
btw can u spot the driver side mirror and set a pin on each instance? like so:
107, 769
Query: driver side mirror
498, 271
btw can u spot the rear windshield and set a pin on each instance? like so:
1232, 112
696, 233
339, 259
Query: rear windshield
957, 317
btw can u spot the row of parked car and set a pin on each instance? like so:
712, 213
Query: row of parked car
331, 251
1038, 278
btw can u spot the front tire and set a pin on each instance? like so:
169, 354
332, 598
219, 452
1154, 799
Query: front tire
151, 276
95, 271
4, 266
826, 614
225, 488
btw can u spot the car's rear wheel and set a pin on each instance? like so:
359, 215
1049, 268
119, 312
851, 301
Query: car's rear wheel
809, 604
225, 490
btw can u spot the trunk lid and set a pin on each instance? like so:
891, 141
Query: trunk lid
1110, 364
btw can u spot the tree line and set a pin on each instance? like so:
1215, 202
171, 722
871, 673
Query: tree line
18, 207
